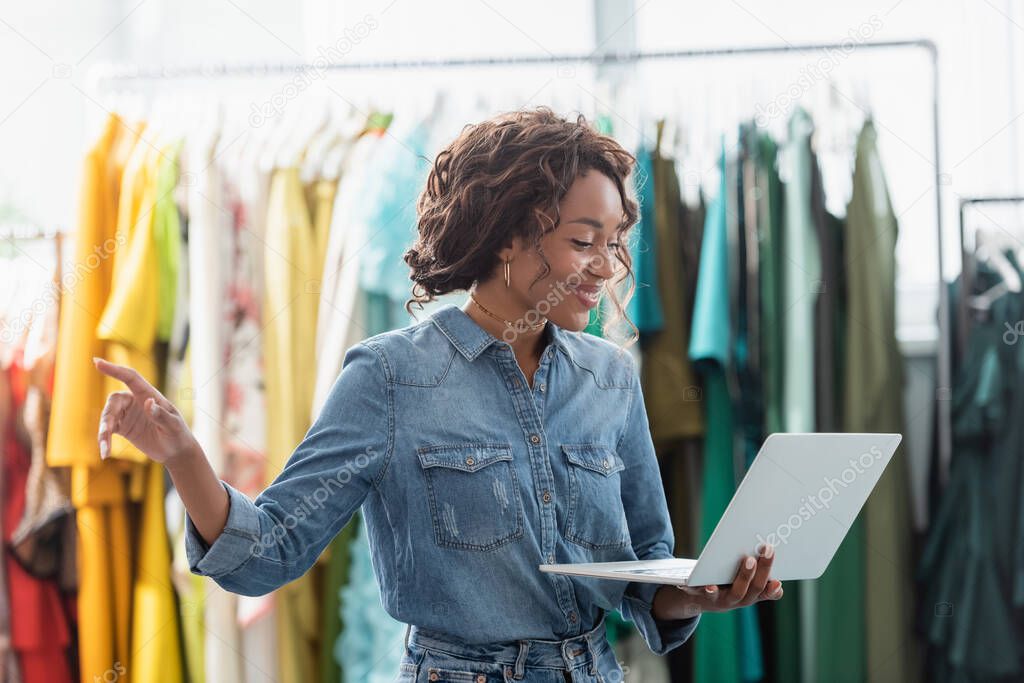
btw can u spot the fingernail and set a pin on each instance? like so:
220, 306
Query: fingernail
769, 552
103, 450
710, 589
103, 426
749, 564
152, 409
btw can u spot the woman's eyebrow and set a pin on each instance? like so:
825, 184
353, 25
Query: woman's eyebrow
593, 222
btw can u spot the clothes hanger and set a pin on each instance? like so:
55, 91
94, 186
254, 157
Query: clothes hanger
313, 118
320, 143
277, 136
989, 250
351, 128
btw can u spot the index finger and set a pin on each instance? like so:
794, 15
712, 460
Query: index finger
131, 378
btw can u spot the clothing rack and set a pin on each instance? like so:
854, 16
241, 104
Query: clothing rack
129, 74
28, 233
969, 201
967, 267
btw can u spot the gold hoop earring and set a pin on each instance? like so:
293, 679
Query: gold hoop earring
507, 278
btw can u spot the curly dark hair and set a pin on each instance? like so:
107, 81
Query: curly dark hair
498, 180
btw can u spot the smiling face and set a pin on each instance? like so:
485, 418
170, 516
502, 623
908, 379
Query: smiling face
582, 253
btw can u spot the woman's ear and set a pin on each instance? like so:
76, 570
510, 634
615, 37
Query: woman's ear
510, 250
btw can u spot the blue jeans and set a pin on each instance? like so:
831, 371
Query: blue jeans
432, 657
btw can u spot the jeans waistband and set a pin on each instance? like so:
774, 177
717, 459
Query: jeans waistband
559, 654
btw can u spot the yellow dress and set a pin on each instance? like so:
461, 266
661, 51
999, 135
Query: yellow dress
291, 296
100, 489
129, 324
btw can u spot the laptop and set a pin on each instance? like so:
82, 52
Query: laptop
801, 494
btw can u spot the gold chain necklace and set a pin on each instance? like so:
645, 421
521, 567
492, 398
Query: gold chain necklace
508, 323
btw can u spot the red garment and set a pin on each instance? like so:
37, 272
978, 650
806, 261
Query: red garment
39, 628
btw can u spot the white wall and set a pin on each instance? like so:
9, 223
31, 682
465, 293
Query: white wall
48, 111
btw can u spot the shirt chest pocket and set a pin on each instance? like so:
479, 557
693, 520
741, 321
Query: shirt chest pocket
596, 517
473, 493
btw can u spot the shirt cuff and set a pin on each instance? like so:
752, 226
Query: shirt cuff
660, 635
237, 543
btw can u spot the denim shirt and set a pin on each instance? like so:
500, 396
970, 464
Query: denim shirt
468, 479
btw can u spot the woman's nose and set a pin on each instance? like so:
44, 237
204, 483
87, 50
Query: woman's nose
604, 264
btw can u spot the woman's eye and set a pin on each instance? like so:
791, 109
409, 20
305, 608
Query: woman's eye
581, 243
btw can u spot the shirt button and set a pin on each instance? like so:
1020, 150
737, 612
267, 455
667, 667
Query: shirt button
606, 464
543, 386
470, 461
572, 617
551, 559
547, 496
534, 438
519, 382
480, 678
433, 675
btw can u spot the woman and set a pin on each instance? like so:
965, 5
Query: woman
480, 442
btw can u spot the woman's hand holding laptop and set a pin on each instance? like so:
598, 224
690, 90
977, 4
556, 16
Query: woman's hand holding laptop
752, 584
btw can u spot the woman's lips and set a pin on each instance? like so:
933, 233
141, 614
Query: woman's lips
587, 295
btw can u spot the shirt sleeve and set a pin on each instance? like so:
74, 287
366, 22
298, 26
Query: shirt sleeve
275, 539
650, 527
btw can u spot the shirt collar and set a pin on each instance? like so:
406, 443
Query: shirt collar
471, 340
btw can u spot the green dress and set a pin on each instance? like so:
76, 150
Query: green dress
718, 640
783, 617
874, 403
841, 628
970, 570
801, 273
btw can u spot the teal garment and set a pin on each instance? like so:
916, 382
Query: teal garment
336, 576
617, 627
800, 276
747, 405
644, 308
972, 555
709, 333
381, 312
399, 172
718, 649
597, 319
370, 646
